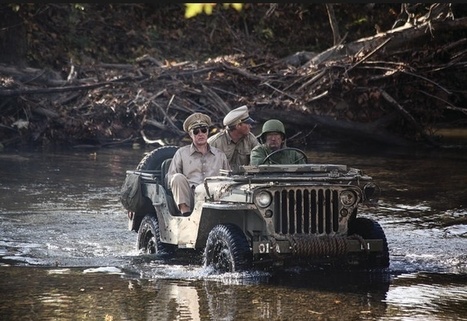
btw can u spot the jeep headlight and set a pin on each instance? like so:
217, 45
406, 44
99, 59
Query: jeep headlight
348, 198
371, 192
263, 199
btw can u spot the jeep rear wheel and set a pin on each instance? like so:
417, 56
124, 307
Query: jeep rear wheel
154, 159
227, 249
369, 229
149, 241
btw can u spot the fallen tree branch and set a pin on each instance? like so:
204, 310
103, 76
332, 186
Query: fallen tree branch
166, 117
368, 55
243, 73
364, 132
407, 116
449, 105
279, 91
24, 92
217, 101
400, 37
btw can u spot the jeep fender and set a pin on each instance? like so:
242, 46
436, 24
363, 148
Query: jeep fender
241, 215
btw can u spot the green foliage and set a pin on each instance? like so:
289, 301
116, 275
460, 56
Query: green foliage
265, 33
79, 6
15, 7
194, 9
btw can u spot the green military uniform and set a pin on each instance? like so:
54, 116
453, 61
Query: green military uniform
237, 153
259, 153
289, 156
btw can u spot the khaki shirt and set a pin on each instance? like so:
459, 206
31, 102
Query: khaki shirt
259, 153
237, 153
196, 166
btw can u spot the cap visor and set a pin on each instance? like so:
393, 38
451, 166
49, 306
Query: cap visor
248, 121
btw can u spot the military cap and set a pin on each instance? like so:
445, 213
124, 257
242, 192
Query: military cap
196, 120
238, 115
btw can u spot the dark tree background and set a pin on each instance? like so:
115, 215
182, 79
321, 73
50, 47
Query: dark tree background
58, 32
61, 45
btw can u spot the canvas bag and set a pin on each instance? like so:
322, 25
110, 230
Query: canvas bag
131, 194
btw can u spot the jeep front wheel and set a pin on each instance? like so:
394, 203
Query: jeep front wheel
149, 241
370, 229
227, 249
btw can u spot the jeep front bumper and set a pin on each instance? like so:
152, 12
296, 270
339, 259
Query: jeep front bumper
316, 247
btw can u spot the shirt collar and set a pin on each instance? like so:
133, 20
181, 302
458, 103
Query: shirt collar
193, 149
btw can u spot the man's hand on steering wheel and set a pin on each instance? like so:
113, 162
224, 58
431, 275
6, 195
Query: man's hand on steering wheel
282, 150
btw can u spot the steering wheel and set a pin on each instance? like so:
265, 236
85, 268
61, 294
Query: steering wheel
302, 154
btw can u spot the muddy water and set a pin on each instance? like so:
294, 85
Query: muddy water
66, 254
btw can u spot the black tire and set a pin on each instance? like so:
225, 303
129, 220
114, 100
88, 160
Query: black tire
154, 159
286, 149
227, 249
149, 241
369, 229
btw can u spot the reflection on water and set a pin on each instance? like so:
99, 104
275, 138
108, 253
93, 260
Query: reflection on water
97, 294
66, 253
70, 294
428, 296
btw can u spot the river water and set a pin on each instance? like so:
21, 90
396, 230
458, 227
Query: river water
66, 253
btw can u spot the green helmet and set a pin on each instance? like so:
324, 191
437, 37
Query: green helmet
273, 125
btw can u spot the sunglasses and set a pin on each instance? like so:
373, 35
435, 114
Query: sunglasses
196, 131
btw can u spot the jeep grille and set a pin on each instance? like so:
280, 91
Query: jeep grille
306, 211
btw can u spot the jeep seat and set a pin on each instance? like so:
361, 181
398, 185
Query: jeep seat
164, 170
173, 208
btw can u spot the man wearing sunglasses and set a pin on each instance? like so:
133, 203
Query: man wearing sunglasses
236, 140
191, 164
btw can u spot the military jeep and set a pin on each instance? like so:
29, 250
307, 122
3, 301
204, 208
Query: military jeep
260, 217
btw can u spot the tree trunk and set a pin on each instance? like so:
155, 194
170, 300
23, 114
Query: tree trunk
13, 44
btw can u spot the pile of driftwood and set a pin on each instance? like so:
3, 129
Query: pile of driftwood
395, 87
